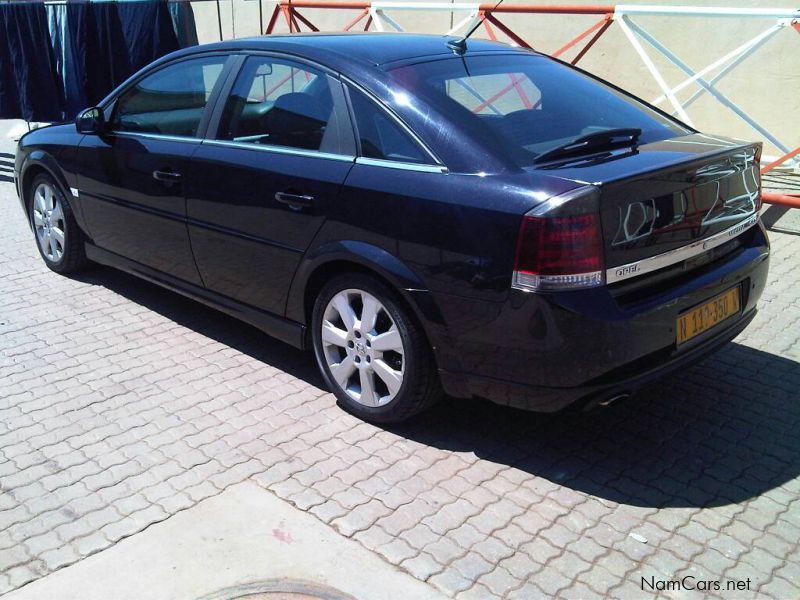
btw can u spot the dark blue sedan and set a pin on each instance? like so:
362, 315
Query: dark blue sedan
485, 221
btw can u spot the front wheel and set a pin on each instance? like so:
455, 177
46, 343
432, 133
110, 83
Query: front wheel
58, 237
372, 353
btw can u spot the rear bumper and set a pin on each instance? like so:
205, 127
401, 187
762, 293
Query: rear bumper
544, 352
543, 399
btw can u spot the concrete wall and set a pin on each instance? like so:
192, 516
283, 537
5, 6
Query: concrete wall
766, 85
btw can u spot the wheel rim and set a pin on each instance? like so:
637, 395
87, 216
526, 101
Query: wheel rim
48, 221
363, 347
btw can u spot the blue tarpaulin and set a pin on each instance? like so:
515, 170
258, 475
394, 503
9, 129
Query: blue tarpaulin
29, 86
58, 60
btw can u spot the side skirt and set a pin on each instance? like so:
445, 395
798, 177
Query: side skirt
291, 332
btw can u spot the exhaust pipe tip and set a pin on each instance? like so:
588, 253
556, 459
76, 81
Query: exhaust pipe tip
604, 399
611, 399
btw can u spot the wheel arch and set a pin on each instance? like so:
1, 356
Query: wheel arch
337, 258
39, 162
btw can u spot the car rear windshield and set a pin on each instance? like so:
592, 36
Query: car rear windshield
525, 105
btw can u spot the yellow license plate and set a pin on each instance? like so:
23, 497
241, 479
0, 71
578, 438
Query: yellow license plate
705, 316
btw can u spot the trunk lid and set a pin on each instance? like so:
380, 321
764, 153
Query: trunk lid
671, 199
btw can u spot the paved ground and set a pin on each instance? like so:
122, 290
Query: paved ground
122, 404
240, 542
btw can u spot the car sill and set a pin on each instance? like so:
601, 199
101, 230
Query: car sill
283, 329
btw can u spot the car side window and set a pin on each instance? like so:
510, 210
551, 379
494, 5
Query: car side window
170, 101
279, 102
380, 136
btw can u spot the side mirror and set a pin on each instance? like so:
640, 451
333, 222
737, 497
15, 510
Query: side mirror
91, 120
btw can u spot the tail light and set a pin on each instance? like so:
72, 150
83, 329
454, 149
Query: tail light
560, 245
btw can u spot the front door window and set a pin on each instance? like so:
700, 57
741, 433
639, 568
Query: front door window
170, 101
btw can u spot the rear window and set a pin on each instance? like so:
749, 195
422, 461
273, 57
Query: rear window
527, 105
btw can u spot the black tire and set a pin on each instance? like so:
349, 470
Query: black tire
73, 256
420, 386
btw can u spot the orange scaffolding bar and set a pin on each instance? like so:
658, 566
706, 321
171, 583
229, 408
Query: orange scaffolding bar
554, 9
289, 8
781, 199
790, 200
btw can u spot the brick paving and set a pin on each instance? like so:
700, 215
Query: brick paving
122, 404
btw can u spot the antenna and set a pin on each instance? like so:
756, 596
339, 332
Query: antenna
459, 45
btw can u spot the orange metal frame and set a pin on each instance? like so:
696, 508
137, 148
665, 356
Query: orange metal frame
790, 200
488, 14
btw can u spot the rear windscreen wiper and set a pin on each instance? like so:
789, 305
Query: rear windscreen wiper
606, 139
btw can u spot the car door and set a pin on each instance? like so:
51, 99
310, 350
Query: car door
261, 183
131, 179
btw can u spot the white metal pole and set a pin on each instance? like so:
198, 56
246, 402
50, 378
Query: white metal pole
470, 20
389, 20
734, 55
377, 18
707, 11
625, 24
710, 89
728, 69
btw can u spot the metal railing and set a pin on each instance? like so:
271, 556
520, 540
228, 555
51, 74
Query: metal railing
373, 15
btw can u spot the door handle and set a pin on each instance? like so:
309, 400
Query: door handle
167, 176
295, 201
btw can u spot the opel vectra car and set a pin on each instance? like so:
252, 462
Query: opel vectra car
487, 222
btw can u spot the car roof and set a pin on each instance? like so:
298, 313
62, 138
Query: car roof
364, 58
374, 48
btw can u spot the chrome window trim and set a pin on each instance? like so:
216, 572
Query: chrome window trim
393, 164
654, 263
280, 150
157, 136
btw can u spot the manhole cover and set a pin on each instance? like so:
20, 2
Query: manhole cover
278, 596
279, 589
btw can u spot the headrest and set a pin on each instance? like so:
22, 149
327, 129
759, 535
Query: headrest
295, 112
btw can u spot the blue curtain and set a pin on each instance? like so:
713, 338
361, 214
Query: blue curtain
65, 68
89, 49
184, 23
29, 87
148, 33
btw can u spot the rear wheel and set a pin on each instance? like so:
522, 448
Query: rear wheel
372, 353
58, 238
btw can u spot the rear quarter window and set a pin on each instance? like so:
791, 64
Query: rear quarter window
379, 135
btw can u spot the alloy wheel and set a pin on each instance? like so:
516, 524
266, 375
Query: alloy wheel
363, 347
48, 221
